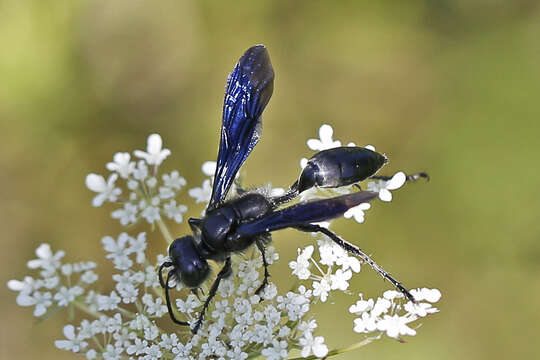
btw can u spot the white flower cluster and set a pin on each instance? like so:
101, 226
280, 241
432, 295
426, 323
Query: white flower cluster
388, 313
128, 321
146, 197
58, 284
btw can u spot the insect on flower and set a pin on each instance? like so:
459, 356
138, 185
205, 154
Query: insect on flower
233, 225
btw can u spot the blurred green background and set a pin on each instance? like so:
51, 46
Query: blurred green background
450, 87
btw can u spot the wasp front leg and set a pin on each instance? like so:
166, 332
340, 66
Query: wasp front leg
261, 248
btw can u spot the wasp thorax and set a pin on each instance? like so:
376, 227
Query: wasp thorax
190, 268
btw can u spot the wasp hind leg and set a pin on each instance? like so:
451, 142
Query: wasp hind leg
355, 250
412, 177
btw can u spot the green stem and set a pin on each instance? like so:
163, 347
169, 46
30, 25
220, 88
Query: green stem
165, 231
341, 351
84, 308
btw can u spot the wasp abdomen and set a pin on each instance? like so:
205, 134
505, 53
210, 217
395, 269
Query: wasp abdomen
339, 167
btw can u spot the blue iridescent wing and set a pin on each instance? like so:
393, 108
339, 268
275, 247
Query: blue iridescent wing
305, 213
248, 90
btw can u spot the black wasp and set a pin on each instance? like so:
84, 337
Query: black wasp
233, 225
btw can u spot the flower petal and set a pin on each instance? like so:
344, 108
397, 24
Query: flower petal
96, 182
396, 181
385, 195
432, 295
44, 251
209, 168
23, 299
154, 144
325, 133
314, 144
370, 147
16, 285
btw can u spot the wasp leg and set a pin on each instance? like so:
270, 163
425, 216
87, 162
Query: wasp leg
160, 272
168, 300
412, 177
225, 272
261, 248
288, 196
355, 250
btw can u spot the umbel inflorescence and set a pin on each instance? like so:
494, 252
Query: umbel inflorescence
131, 320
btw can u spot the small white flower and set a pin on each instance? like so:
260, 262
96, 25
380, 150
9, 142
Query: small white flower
340, 280
46, 258
381, 307
420, 309
27, 285
140, 173
384, 187
392, 294
370, 147
151, 332
41, 300
154, 155
361, 306
174, 180
201, 194
321, 289
357, 212
165, 192
175, 212
395, 326
300, 267
365, 323
155, 308
108, 302
114, 324
121, 164
138, 246
73, 342
277, 351
66, 269
89, 277
431, 295
105, 189
189, 305
118, 250
313, 345
151, 182
111, 352
168, 341
307, 326
326, 141
328, 255
151, 214
153, 353
66, 296
209, 168
348, 262
137, 348
127, 215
